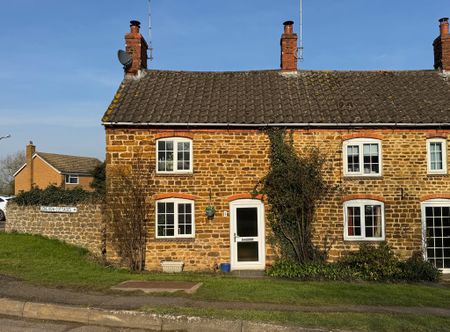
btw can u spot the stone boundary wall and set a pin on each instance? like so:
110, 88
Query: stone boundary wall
83, 228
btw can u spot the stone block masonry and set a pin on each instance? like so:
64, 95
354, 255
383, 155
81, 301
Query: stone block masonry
83, 228
230, 162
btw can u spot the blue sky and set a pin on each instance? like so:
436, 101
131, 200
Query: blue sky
60, 71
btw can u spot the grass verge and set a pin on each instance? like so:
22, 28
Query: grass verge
51, 263
343, 321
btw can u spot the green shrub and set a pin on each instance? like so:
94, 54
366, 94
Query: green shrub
370, 263
310, 271
99, 179
375, 263
418, 269
53, 195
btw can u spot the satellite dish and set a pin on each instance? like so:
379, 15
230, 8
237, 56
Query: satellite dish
124, 58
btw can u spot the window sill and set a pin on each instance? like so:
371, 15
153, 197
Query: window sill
174, 239
438, 175
364, 240
165, 175
362, 177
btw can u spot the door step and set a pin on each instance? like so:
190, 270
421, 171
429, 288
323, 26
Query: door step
249, 273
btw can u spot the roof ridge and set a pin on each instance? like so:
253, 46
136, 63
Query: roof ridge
65, 155
298, 71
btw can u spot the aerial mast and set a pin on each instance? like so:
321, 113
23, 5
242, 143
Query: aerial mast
300, 49
150, 42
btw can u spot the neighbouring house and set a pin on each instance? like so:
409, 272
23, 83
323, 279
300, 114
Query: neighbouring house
384, 135
43, 169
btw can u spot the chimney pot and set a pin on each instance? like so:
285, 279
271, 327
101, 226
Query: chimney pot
444, 26
288, 27
135, 26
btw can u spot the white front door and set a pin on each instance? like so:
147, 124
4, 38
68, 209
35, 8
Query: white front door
247, 235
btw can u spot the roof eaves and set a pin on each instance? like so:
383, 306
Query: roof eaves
19, 170
354, 124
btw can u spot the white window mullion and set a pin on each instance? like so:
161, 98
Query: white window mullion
175, 220
363, 220
361, 158
175, 156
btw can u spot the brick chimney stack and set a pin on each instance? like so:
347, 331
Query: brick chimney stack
30, 151
441, 47
289, 48
137, 47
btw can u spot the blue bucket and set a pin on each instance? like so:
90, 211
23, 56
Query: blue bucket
225, 267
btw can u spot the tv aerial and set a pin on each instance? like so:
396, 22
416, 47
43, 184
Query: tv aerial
125, 59
301, 47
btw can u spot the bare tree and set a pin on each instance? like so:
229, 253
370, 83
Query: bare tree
127, 213
8, 166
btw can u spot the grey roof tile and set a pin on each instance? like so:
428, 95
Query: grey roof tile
269, 97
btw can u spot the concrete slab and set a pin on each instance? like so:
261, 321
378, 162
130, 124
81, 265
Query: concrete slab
158, 286
11, 307
50, 311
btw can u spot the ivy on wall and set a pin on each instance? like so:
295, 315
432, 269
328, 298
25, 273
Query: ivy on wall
293, 186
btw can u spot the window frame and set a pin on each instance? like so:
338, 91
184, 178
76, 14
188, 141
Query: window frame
175, 141
360, 143
69, 176
434, 202
361, 203
175, 201
444, 143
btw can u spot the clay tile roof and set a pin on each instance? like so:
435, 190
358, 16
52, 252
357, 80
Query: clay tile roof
270, 97
70, 164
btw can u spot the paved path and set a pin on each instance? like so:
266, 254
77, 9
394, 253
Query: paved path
14, 289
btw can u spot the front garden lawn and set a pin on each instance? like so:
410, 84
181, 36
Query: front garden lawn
51, 263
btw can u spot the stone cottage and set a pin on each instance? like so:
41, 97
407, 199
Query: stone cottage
384, 135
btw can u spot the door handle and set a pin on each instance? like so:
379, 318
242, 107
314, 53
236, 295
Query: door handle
235, 236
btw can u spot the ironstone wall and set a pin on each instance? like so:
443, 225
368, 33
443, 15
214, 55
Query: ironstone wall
83, 228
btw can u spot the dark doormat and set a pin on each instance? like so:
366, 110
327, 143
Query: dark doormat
158, 286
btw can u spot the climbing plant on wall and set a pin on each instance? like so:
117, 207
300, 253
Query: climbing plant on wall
293, 186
